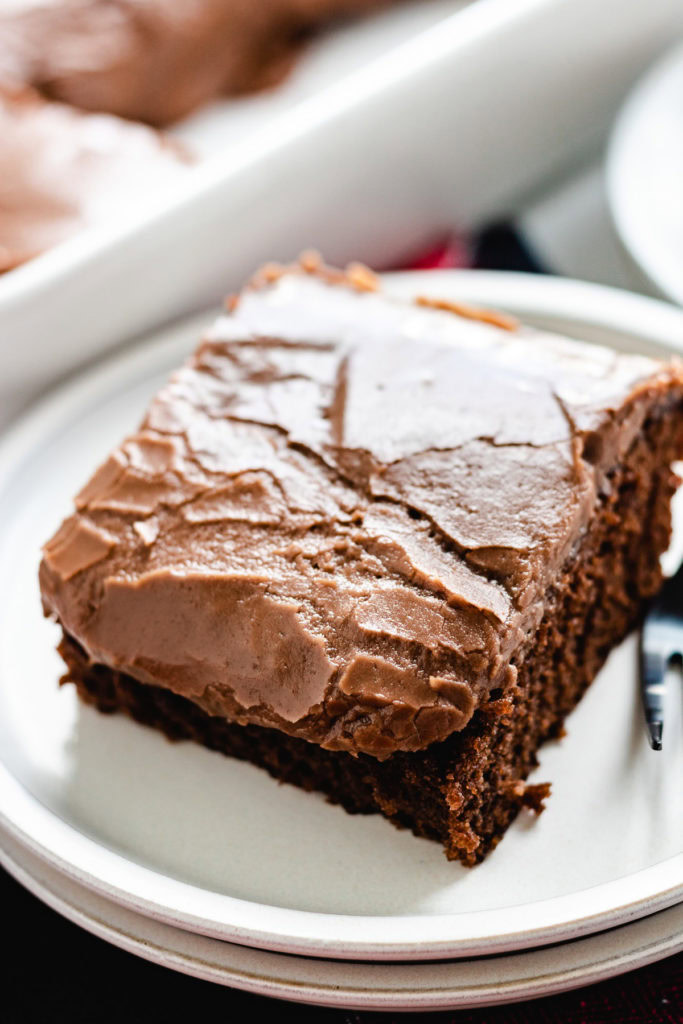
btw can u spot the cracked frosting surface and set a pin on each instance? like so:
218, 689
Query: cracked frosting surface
342, 516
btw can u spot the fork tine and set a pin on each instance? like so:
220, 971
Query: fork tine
653, 671
661, 642
655, 730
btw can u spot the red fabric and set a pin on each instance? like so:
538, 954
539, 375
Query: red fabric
448, 254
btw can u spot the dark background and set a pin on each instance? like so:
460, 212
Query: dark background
56, 972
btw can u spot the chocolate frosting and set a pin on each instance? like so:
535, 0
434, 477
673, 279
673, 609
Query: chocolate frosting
342, 516
156, 60
62, 171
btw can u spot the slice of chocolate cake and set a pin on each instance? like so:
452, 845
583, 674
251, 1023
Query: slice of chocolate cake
379, 548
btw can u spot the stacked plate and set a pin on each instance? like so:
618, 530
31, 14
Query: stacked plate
208, 866
644, 171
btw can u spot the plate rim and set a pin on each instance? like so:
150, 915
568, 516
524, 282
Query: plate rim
628, 126
132, 885
92, 915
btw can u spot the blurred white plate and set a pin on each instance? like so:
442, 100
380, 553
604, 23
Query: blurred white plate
428, 986
645, 176
216, 846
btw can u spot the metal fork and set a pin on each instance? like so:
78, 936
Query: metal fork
661, 646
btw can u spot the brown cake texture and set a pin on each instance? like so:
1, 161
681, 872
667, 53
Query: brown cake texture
377, 547
62, 170
157, 60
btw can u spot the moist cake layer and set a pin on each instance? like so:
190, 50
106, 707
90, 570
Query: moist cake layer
343, 518
466, 790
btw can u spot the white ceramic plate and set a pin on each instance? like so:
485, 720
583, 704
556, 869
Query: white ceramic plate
645, 176
427, 986
194, 839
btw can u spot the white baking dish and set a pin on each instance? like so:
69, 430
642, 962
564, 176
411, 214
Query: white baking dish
451, 127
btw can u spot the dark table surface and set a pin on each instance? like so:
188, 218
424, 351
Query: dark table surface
55, 972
